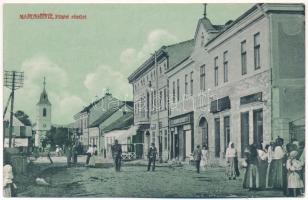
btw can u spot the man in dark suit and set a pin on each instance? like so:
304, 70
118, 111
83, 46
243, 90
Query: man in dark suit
116, 155
152, 156
197, 157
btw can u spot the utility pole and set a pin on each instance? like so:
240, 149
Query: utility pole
12, 80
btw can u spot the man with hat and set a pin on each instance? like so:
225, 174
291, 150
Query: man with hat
116, 155
152, 156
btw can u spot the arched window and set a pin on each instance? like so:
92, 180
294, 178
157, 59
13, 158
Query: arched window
44, 112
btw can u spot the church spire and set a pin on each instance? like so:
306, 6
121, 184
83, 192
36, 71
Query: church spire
44, 82
44, 97
204, 11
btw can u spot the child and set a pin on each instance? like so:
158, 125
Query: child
295, 183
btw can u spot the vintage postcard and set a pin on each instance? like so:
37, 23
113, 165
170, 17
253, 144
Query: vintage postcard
190, 100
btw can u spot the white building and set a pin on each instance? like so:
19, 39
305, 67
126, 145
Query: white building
43, 117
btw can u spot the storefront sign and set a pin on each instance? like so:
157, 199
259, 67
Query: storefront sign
185, 119
17, 142
220, 104
251, 98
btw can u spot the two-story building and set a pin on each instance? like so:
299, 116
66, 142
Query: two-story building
150, 89
250, 77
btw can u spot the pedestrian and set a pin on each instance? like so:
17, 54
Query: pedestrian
262, 165
92, 160
295, 182
204, 158
68, 155
75, 153
89, 154
251, 178
49, 156
277, 164
57, 150
231, 154
116, 155
197, 157
269, 171
152, 153
301, 158
9, 186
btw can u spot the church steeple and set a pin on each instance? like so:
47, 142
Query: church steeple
44, 96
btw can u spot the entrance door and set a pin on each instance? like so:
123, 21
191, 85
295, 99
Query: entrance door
226, 131
244, 131
217, 137
257, 126
203, 127
188, 143
171, 145
176, 146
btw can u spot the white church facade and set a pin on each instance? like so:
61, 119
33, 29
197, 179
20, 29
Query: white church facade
43, 117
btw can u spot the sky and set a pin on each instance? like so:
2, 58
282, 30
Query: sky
82, 58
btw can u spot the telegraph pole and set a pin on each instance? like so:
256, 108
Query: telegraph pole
12, 80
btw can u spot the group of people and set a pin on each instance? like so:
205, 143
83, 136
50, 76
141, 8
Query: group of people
275, 166
272, 166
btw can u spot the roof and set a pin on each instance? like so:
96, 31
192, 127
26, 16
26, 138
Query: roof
105, 115
123, 123
44, 98
178, 52
175, 53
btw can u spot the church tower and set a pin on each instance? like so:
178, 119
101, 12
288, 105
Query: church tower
43, 117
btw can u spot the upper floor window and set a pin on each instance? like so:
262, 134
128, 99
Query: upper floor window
173, 92
186, 85
225, 57
244, 57
44, 112
216, 71
191, 84
178, 90
257, 51
202, 78
165, 99
160, 70
160, 100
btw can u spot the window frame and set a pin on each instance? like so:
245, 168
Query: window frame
243, 55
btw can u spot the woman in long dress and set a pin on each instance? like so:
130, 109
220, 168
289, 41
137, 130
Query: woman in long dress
93, 157
204, 158
269, 171
251, 178
294, 166
278, 161
262, 165
231, 155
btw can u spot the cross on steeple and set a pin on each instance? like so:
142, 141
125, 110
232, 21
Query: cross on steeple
204, 11
44, 82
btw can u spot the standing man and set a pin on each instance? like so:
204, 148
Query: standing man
116, 155
197, 157
89, 154
152, 156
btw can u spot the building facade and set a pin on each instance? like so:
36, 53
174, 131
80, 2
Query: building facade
243, 81
241, 95
150, 89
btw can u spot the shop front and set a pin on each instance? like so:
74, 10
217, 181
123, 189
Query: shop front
181, 137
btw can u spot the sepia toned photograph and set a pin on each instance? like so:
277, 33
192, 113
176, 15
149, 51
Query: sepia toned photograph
160, 100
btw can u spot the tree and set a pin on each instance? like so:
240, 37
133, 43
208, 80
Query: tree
58, 136
23, 117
